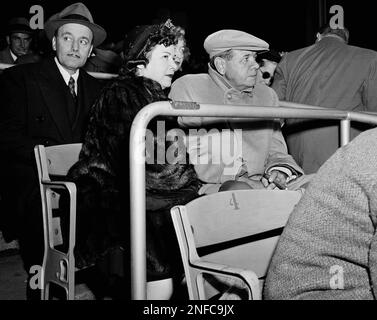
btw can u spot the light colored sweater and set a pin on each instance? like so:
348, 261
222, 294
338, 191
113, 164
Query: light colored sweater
328, 249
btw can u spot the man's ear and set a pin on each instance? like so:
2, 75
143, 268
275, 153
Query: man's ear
220, 65
53, 42
319, 37
8, 40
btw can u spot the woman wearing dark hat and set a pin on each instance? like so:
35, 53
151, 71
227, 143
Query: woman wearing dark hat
102, 172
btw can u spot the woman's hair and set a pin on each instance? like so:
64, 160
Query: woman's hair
142, 40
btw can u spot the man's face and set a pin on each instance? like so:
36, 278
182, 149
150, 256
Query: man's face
241, 69
73, 46
19, 43
161, 66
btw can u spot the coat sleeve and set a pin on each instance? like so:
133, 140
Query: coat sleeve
180, 91
278, 154
14, 140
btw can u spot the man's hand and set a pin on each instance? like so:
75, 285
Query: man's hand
275, 180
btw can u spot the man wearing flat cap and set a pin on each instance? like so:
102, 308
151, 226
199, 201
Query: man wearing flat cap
19, 39
43, 103
261, 159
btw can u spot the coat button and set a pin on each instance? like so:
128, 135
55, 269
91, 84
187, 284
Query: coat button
40, 118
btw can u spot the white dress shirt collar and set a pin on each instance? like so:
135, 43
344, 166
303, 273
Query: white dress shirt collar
66, 75
14, 57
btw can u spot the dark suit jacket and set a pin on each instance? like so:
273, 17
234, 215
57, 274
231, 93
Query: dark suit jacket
34, 109
329, 74
5, 56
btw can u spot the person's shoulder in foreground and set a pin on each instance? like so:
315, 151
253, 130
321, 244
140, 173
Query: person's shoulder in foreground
328, 249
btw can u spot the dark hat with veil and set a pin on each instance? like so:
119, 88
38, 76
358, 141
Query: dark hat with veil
142, 38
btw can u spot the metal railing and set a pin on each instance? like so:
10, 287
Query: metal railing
137, 149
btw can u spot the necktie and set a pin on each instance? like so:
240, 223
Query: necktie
72, 107
71, 85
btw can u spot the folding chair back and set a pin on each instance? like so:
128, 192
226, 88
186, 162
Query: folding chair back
58, 267
230, 236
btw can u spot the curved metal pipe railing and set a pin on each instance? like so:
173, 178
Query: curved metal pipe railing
174, 108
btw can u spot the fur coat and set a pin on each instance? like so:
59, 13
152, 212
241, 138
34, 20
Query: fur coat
102, 179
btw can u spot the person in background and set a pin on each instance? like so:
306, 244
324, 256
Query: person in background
19, 39
328, 249
330, 74
43, 103
261, 160
268, 62
182, 53
102, 172
103, 60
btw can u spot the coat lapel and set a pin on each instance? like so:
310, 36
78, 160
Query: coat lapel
6, 57
53, 88
81, 94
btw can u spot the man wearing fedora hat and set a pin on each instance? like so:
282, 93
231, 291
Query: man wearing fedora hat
19, 39
44, 103
262, 160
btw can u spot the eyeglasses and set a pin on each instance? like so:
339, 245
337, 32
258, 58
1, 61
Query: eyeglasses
266, 75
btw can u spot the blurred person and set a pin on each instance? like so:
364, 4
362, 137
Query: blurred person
331, 74
19, 39
263, 161
43, 103
102, 172
182, 54
268, 62
328, 249
103, 60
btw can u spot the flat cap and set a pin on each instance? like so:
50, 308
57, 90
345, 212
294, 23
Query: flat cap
223, 40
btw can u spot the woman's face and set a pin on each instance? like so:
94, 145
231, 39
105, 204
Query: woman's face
179, 53
161, 66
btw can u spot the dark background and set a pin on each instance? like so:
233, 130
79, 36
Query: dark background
285, 25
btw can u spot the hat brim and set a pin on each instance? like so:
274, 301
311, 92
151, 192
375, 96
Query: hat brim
214, 52
99, 34
19, 27
20, 30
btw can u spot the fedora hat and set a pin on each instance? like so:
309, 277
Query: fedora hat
19, 24
75, 13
